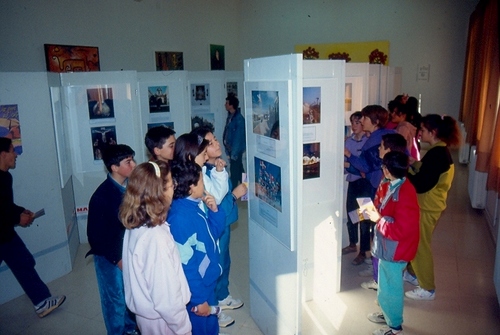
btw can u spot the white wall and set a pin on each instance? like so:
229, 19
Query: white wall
128, 32
419, 32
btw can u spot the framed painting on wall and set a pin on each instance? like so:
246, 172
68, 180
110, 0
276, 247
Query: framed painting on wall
71, 58
217, 60
169, 60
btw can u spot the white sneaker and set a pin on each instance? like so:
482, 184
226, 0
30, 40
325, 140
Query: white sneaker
368, 260
48, 305
377, 317
387, 331
420, 294
225, 320
370, 285
408, 277
230, 303
368, 272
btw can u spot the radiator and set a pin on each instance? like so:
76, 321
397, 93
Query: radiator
477, 183
464, 151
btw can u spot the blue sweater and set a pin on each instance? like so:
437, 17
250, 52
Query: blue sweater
196, 234
369, 161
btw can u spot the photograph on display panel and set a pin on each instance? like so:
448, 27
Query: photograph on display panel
267, 105
100, 102
265, 112
311, 106
311, 161
268, 182
232, 88
158, 98
161, 124
10, 127
102, 137
200, 95
201, 119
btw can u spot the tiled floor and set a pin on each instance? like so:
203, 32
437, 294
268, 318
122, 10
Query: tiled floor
466, 301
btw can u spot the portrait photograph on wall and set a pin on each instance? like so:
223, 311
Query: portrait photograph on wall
217, 61
169, 60
311, 106
10, 127
161, 124
100, 102
158, 98
265, 112
200, 95
311, 161
102, 137
203, 120
232, 88
268, 182
71, 58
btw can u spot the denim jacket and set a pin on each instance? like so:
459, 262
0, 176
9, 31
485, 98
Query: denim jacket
234, 135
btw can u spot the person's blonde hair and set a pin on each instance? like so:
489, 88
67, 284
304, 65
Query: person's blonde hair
144, 202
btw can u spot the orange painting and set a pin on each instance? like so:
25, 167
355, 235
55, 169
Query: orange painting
71, 58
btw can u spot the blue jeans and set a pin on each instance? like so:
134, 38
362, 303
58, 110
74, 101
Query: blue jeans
222, 288
117, 318
390, 291
22, 264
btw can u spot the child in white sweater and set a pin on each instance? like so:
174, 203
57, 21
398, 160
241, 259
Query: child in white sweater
156, 289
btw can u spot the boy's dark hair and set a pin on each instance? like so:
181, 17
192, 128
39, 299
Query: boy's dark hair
233, 101
156, 138
356, 115
5, 144
201, 131
395, 142
114, 154
396, 163
184, 175
188, 146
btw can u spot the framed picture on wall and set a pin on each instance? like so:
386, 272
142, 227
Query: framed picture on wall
71, 58
169, 60
217, 60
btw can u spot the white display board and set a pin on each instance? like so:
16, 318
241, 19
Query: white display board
102, 109
295, 235
268, 113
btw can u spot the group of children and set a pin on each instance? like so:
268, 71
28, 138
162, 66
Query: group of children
382, 162
160, 233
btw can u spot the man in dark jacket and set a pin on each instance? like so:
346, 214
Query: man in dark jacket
12, 249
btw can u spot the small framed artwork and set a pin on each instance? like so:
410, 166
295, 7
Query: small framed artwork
217, 60
101, 138
232, 88
311, 106
158, 99
201, 119
169, 60
161, 124
311, 160
200, 94
71, 58
100, 103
